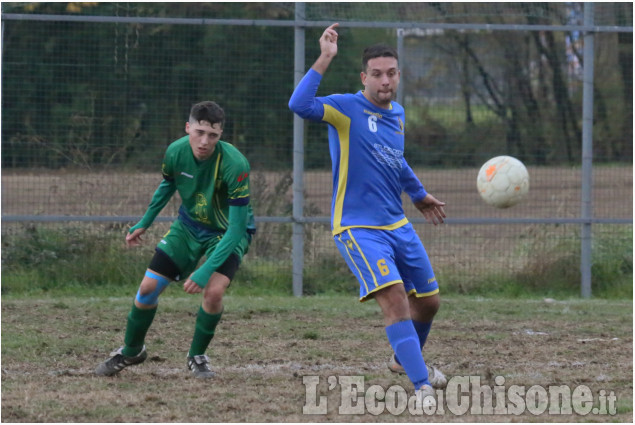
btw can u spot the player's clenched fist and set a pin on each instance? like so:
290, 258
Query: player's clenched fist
191, 287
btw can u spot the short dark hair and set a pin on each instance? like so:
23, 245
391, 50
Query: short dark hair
378, 51
208, 111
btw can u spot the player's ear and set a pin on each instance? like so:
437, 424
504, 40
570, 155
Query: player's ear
362, 76
187, 127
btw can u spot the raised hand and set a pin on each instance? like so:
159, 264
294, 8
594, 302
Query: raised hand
328, 49
328, 41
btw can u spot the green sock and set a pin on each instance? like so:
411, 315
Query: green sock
203, 331
139, 321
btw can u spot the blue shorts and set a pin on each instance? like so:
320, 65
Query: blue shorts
380, 258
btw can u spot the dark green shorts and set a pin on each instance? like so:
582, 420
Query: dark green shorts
186, 248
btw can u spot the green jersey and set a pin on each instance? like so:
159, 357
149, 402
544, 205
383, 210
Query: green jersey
208, 187
214, 198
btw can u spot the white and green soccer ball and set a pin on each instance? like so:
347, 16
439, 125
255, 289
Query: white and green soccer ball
503, 181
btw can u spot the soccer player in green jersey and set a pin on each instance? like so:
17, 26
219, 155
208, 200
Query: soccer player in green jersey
215, 220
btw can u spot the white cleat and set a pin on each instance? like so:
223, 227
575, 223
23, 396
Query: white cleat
435, 376
426, 396
199, 366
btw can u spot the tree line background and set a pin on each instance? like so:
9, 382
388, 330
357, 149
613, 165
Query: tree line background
89, 95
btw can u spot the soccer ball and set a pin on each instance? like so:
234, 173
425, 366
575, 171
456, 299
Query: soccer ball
503, 181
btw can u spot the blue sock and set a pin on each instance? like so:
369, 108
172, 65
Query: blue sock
422, 329
405, 342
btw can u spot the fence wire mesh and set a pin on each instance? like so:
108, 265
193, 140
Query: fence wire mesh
89, 107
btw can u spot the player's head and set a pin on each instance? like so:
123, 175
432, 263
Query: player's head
205, 128
378, 51
208, 111
380, 74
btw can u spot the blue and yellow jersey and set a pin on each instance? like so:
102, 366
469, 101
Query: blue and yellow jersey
366, 144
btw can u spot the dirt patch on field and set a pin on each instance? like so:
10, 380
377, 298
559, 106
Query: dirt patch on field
266, 348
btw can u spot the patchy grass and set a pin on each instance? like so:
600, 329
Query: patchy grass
265, 345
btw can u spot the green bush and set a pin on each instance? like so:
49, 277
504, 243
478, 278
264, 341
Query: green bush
66, 259
555, 271
44, 257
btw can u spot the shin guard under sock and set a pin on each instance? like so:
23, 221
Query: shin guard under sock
422, 329
139, 321
203, 331
405, 342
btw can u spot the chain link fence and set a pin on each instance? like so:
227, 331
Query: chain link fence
92, 94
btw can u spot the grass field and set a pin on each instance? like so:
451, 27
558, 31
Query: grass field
265, 346
60, 317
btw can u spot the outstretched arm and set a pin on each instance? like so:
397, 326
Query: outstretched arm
159, 200
410, 183
303, 101
428, 205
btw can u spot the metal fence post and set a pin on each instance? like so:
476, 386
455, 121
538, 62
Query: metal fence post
297, 251
402, 63
587, 156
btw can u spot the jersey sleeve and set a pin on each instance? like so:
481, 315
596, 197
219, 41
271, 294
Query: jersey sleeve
234, 233
161, 196
167, 169
303, 101
236, 177
411, 184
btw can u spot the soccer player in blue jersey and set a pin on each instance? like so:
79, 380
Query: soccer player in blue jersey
370, 229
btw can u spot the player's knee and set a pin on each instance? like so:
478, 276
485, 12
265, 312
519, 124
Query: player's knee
151, 287
431, 302
427, 307
432, 305
214, 295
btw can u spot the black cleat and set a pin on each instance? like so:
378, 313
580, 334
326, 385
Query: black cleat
117, 362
